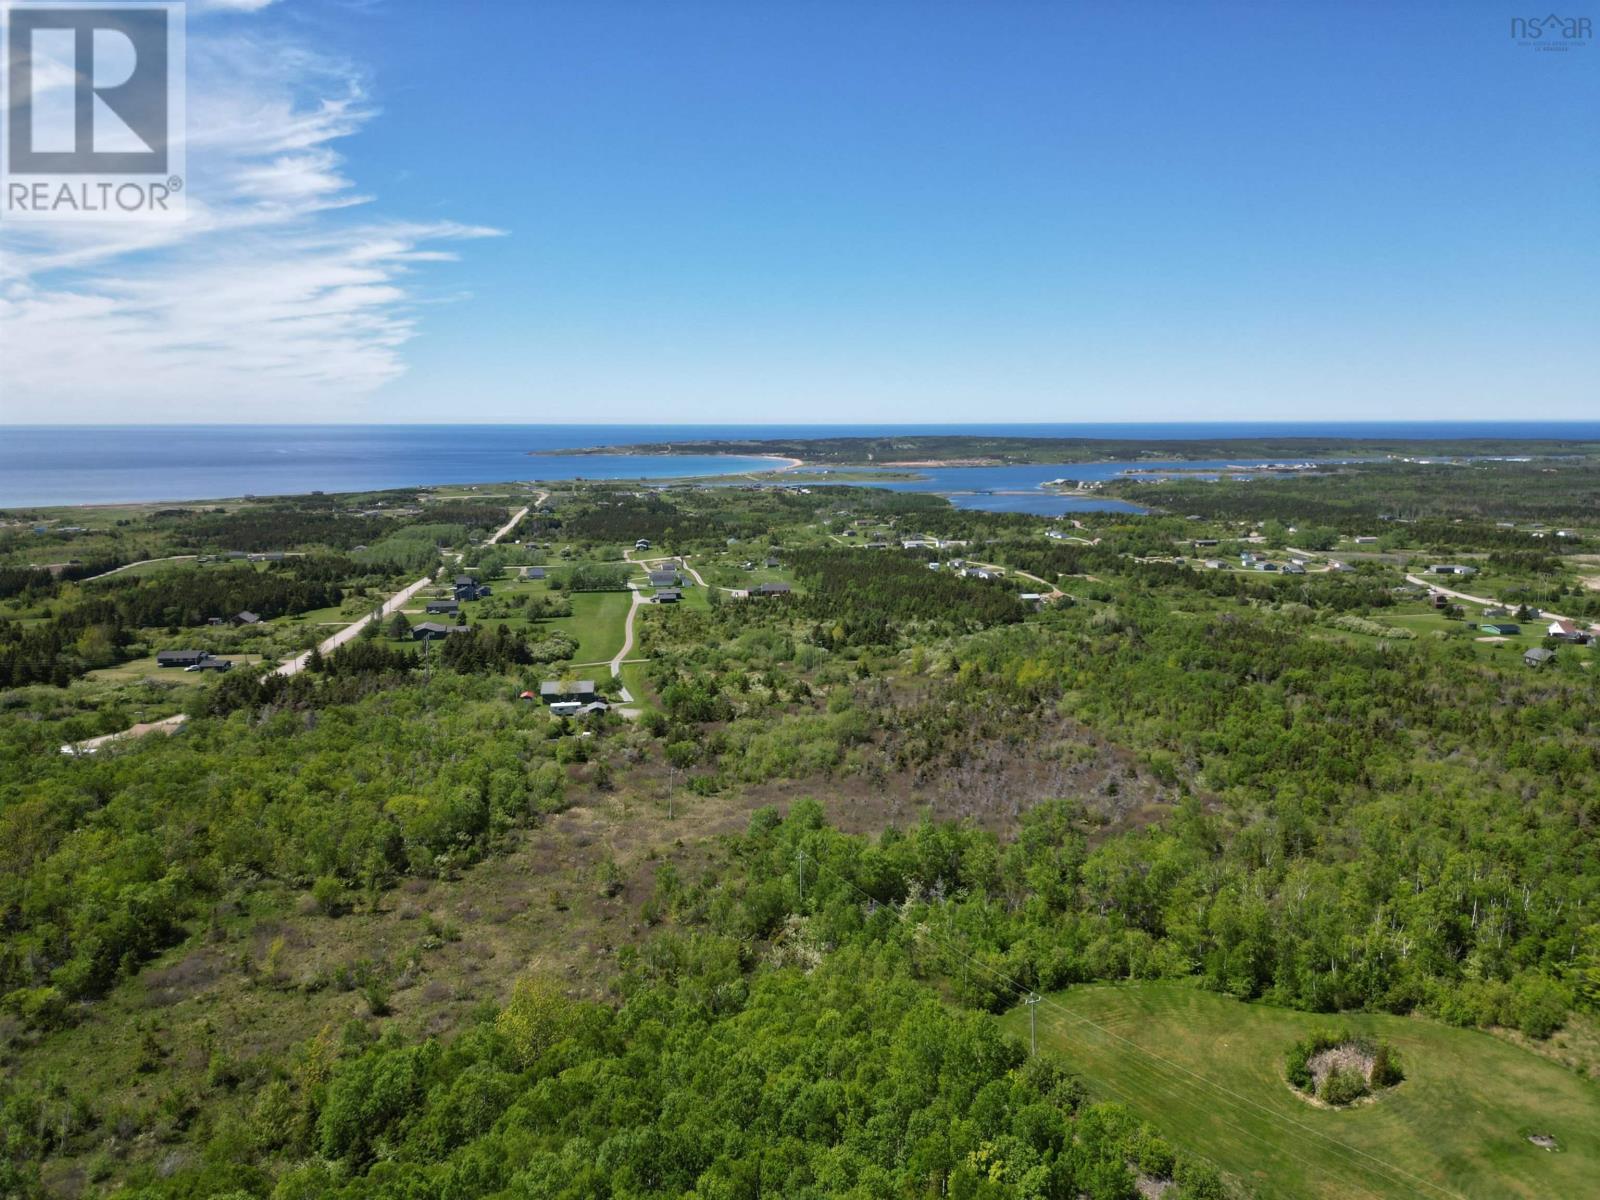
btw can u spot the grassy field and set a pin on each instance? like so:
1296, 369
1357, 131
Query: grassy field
597, 621
1207, 1071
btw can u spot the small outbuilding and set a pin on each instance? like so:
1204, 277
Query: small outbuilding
1539, 656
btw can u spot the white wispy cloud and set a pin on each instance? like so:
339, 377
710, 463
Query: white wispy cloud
282, 296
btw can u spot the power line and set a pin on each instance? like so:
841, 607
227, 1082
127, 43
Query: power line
1387, 1171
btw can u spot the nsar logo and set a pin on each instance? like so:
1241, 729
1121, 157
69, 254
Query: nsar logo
1552, 32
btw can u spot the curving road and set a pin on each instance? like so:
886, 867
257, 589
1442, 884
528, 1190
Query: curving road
634, 601
140, 563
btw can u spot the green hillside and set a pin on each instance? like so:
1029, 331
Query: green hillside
1207, 1071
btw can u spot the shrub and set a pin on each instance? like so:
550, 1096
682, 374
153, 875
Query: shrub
40, 1007
1386, 1070
1342, 1087
1538, 1004
329, 894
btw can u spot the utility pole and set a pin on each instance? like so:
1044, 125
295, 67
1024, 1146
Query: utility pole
1033, 1022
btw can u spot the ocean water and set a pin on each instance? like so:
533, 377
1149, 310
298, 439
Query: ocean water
111, 464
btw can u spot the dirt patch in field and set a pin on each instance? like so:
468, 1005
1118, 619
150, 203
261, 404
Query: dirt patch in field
1544, 1141
1341, 1058
184, 979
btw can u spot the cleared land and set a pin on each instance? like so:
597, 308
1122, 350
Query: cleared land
1207, 1071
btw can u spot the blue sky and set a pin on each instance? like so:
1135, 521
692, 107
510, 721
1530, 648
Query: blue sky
742, 211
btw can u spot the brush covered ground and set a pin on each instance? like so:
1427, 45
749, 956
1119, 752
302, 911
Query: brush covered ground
385, 929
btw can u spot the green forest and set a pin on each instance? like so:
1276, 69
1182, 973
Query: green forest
771, 916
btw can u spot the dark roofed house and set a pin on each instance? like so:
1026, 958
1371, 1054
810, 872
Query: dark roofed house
771, 589
667, 596
444, 606
246, 618
1539, 656
466, 581
553, 691
211, 664
180, 658
772, 562
426, 631
533, 572
664, 578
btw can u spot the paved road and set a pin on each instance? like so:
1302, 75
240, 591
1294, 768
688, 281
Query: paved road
297, 664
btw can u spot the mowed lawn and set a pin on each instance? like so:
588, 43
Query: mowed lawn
598, 622
1207, 1071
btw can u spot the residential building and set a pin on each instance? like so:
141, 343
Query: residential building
180, 658
581, 691
427, 631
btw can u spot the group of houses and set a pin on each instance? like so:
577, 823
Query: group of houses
1250, 561
1567, 631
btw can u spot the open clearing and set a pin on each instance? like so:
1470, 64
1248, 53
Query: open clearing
1207, 1072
